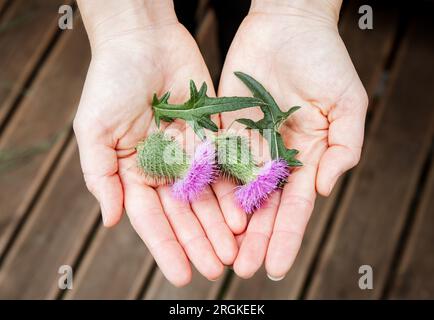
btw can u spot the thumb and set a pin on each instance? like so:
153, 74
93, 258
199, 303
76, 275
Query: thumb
100, 169
345, 139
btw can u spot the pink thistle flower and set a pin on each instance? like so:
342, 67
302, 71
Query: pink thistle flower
252, 195
202, 172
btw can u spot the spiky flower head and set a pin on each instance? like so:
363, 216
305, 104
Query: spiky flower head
235, 158
252, 195
202, 172
161, 158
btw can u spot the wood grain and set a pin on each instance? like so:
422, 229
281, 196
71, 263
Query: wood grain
207, 40
45, 113
370, 49
25, 32
199, 288
53, 235
415, 279
114, 266
371, 217
3, 4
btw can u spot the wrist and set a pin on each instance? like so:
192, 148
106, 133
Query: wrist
109, 19
328, 10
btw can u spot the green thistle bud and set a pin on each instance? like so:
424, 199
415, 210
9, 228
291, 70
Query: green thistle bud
235, 158
161, 158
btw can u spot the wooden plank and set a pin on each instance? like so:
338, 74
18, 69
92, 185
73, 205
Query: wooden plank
379, 43
53, 235
25, 31
199, 288
260, 287
114, 267
207, 40
46, 111
414, 279
3, 4
369, 49
371, 217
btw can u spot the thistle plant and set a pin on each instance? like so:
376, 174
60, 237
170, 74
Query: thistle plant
202, 172
269, 177
235, 158
162, 159
257, 183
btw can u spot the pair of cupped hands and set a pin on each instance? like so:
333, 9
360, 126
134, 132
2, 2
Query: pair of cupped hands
296, 53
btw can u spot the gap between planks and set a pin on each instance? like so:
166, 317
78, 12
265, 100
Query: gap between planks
29, 179
62, 55
413, 277
4, 4
22, 27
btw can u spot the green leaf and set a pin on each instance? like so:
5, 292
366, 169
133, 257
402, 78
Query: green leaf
197, 129
268, 126
249, 123
206, 123
291, 111
198, 109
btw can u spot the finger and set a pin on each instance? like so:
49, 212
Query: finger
255, 243
345, 141
296, 205
211, 218
100, 169
234, 216
206, 208
239, 238
147, 218
190, 235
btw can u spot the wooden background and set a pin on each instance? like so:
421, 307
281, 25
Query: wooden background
380, 214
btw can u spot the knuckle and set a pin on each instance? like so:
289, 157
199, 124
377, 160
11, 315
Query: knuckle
189, 243
299, 202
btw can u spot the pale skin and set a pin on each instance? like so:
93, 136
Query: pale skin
138, 48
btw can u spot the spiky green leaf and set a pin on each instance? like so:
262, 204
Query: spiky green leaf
198, 109
269, 124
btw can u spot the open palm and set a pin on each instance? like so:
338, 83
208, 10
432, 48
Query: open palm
301, 61
114, 115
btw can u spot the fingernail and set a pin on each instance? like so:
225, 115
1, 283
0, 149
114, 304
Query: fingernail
276, 278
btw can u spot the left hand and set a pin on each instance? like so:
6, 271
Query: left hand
298, 55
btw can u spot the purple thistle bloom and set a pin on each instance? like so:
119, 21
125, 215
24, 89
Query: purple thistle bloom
202, 172
252, 195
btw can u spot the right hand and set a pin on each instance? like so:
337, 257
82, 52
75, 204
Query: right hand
114, 114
